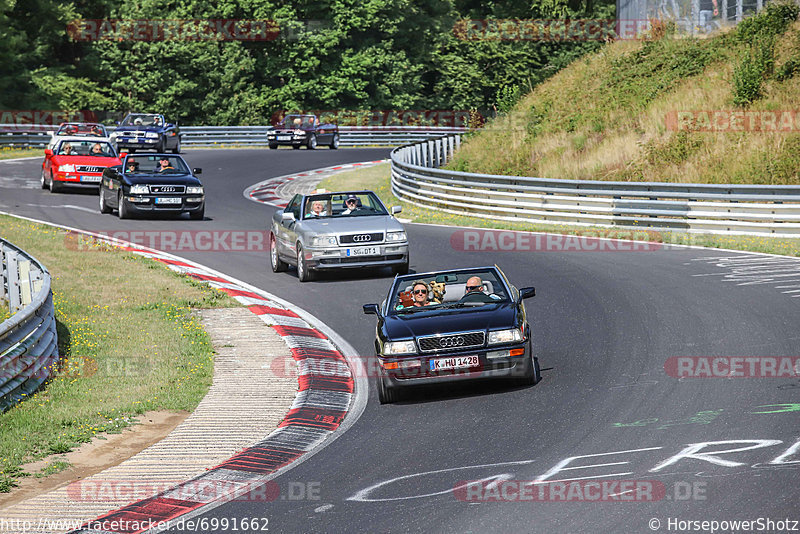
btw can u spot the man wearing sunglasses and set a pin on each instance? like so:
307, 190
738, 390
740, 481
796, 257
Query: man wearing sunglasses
475, 286
420, 293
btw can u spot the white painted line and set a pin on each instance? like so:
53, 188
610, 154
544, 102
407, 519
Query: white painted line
12, 160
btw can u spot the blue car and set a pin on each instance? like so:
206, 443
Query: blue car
449, 326
147, 131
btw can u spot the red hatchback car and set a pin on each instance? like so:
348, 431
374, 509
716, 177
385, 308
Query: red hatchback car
77, 162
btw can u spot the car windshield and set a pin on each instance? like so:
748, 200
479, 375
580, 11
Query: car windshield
79, 129
341, 205
155, 165
459, 289
142, 120
298, 121
85, 148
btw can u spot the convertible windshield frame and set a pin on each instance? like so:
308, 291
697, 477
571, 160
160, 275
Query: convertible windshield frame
488, 274
334, 206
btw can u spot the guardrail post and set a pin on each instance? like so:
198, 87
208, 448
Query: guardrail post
417, 154
24, 282
739, 10
3, 276
13, 283
429, 144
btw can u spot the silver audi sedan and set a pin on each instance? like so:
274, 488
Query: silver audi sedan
336, 230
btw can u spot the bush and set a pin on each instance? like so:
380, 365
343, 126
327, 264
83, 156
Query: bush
773, 20
755, 66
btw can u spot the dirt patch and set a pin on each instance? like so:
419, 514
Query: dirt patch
96, 456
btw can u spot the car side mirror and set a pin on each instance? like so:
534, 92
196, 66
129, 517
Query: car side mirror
48, 152
527, 292
371, 309
116, 122
123, 155
51, 134
287, 216
197, 170
396, 210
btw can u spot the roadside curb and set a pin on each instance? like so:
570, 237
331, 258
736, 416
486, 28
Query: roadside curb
322, 404
265, 192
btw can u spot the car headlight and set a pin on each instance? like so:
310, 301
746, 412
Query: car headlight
151, 135
299, 132
395, 236
505, 336
194, 190
323, 240
394, 348
69, 167
139, 189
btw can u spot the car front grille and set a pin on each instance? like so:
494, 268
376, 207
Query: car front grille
361, 239
452, 341
167, 188
87, 168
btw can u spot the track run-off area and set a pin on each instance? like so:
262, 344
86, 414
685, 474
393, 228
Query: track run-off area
612, 329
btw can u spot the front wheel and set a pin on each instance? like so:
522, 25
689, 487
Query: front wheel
44, 181
177, 149
312, 142
277, 264
335, 142
387, 394
273, 146
55, 186
198, 215
296, 147
103, 206
304, 274
122, 209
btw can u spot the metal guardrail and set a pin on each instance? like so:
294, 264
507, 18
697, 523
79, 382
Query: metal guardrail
28, 339
417, 178
211, 136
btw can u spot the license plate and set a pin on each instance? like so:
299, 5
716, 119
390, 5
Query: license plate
95, 179
168, 200
284, 138
459, 362
363, 251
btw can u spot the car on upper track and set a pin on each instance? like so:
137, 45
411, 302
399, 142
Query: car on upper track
337, 230
147, 131
454, 325
78, 129
303, 130
160, 184
77, 162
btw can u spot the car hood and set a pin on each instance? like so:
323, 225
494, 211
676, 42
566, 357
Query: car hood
416, 324
92, 161
155, 179
121, 129
347, 225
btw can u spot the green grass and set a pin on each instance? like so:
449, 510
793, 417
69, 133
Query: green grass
128, 344
606, 116
10, 153
377, 179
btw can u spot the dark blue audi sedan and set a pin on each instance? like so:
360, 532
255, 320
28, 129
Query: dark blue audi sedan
452, 325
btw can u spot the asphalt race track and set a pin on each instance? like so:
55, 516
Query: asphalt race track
605, 325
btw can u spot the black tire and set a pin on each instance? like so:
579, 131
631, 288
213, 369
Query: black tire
122, 210
532, 372
131, 150
44, 181
161, 145
198, 215
387, 394
304, 274
273, 146
334, 142
55, 186
277, 264
401, 269
103, 206
177, 149
311, 144
296, 147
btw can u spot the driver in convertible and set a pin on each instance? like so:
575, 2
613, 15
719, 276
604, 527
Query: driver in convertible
475, 286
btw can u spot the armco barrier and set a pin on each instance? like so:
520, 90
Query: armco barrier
211, 136
28, 339
417, 178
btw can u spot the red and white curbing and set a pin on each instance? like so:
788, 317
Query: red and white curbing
320, 407
265, 192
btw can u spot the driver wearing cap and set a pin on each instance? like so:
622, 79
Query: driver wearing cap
350, 204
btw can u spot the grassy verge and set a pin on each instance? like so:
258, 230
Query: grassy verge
660, 110
128, 344
377, 179
10, 153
